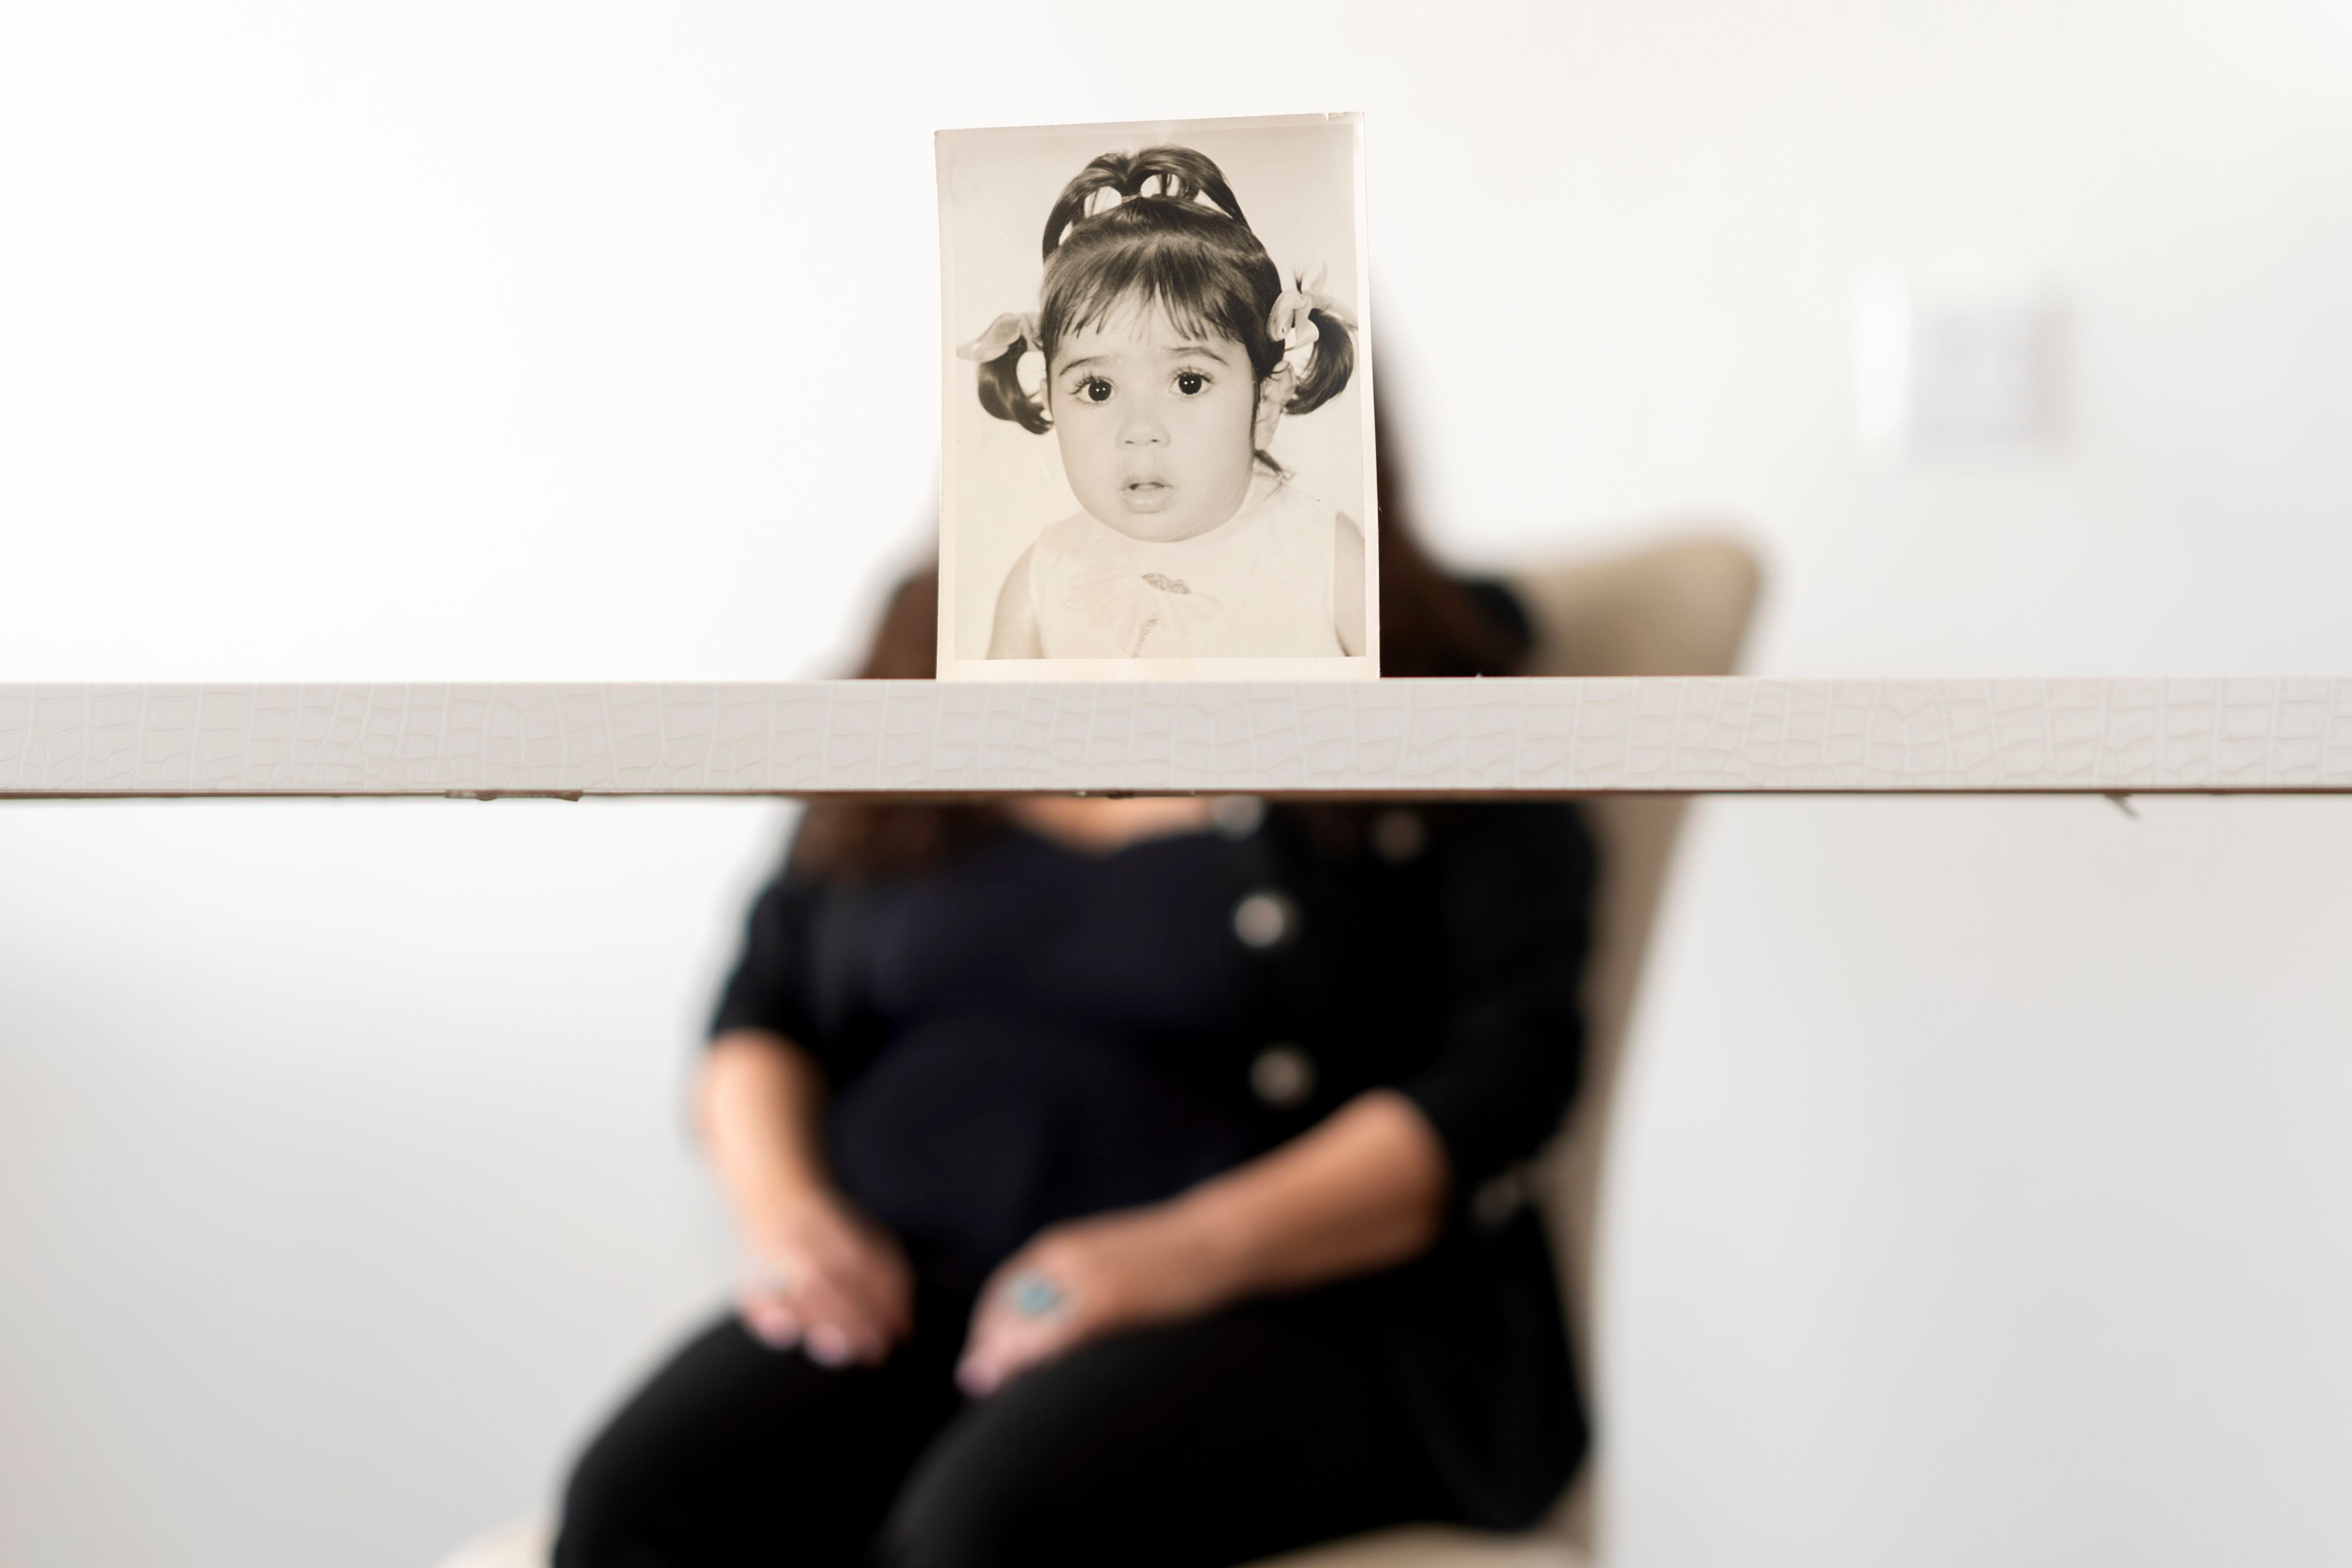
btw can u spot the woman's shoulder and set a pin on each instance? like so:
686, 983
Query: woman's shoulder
1502, 609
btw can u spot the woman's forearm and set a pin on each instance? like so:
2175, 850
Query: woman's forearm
761, 1104
1363, 1190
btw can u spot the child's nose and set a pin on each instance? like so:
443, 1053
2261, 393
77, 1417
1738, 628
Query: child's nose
1142, 429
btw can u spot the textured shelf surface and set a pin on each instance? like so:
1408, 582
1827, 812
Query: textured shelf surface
1389, 737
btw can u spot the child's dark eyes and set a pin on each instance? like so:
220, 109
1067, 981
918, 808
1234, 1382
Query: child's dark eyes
1186, 384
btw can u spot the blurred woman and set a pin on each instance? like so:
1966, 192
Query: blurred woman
1129, 1182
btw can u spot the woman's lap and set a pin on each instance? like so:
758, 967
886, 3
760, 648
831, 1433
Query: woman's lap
1270, 1426
1263, 1429
733, 1453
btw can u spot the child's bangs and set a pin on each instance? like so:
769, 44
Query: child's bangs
1203, 294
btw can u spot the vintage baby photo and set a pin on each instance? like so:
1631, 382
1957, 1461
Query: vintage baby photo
1157, 420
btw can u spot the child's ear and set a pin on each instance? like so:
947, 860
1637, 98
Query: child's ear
1273, 394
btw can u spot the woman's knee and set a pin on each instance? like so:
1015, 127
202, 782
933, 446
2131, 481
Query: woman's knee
641, 1491
968, 1506
613, 1506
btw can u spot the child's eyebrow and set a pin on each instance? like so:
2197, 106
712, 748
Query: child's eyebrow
1074, 364
1203, 350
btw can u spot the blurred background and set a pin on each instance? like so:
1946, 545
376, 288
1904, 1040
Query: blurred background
1984, 1191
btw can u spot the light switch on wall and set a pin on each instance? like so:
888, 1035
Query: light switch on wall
1956, 368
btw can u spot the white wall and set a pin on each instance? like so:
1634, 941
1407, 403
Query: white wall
1987, 1184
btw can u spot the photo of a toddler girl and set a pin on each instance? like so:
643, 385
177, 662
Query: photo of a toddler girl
1130, 490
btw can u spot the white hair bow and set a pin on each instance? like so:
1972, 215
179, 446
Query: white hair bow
1011, 328
1292, 323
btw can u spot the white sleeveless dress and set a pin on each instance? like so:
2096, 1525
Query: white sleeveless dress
1258, 586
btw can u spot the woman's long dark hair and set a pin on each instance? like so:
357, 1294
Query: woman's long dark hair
1430, 625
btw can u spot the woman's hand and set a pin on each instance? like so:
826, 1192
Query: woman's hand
1083, 1280
1364, 1189
816, 1271
821, 1275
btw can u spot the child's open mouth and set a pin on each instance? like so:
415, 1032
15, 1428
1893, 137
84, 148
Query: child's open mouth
1147, 495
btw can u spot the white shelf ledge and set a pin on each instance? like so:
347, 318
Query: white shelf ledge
1523, 737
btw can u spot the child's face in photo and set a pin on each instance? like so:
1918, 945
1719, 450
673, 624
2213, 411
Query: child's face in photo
1157, 428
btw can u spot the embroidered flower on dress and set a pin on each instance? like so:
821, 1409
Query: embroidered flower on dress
1132, 601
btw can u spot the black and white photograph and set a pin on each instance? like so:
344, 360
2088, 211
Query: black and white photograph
1157, 421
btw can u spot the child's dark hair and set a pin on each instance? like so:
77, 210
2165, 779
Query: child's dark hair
1200, 264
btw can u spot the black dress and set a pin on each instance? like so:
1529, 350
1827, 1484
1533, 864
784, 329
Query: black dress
1028, 1033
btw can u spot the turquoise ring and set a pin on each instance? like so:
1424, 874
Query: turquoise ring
1032, 1294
